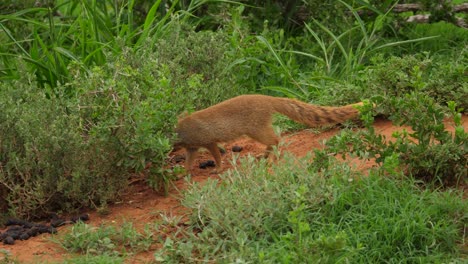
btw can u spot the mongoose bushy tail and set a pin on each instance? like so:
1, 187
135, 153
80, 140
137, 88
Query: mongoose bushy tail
313, 115
249, 115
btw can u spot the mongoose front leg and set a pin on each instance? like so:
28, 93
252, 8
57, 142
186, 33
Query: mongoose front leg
189, 158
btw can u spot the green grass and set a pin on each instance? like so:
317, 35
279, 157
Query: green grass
105, 240
447, 36
291, 214
5, 257
85, 33
91, 259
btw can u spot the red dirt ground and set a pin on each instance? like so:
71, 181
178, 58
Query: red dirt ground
141, 204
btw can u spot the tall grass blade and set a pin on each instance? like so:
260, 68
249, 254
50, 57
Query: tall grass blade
322, 45
306, 55
278, 59
148, 22
335, 38
12, 38
66, 53
274, 53
396, 43
361, 23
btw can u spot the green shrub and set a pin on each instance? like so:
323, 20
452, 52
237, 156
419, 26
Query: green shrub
440, 78
197, 63
447, 81
287, 213
104, 240
45, 163
429, 152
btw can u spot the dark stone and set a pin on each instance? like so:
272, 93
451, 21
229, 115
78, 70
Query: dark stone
206, 164
19, 222
24, 236
57, 222
21, 229
15, 232
46, 229
82, 217
237, 149
9, 241
3, 235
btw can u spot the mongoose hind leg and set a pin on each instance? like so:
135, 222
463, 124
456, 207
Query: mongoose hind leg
214, 150
266, 137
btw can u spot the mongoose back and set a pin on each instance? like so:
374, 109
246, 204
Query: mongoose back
249, 115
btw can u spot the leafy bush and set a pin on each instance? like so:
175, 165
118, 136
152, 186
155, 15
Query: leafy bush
428, 152
45, 163
199, 64
397, 76
287, 213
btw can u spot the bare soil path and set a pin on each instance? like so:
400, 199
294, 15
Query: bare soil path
141, 204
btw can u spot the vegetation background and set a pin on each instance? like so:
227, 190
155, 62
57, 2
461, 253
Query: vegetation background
90, 92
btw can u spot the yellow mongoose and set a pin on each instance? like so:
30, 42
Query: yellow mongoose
249, 115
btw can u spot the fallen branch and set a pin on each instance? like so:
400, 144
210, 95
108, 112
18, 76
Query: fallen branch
400, 8
425, 19
461, 8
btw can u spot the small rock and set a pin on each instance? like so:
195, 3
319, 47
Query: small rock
9, 241
82, 217
24, 236
206, 164
57, 222
236, 149
13, 221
